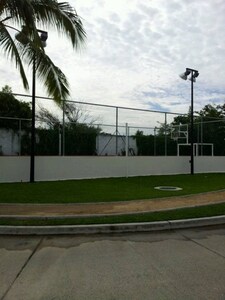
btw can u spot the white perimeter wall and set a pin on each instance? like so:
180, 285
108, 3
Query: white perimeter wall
17, 169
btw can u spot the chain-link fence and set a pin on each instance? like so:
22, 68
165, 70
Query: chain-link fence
81, 128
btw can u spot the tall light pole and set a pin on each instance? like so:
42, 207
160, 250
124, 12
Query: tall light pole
23, 39
193, 74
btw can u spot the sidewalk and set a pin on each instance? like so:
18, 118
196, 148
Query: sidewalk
111, 208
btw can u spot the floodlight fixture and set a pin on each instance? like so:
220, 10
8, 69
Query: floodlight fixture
194, 74
185, 74
43, 37
22, 36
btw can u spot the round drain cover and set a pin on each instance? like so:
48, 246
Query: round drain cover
168, 188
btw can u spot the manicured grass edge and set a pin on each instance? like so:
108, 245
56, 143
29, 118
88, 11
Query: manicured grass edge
176, 214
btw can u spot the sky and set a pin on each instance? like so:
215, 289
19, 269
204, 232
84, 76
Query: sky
135, 51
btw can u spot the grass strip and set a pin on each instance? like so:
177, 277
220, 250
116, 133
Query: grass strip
108, 190
176, 214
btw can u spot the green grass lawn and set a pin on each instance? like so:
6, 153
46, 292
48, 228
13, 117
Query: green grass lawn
106, 190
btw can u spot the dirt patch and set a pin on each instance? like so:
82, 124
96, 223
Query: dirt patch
112, 207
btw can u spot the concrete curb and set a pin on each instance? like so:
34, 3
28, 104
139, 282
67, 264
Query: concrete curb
111, 228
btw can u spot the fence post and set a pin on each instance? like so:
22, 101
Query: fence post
63, 129
127, 140
19, 137
155, 141
201, 137
60, 140
117, 130
165, 134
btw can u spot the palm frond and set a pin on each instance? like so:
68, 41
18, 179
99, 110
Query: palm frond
2, 6
11, 51
28, 14
53, 78
20, 11
63, 17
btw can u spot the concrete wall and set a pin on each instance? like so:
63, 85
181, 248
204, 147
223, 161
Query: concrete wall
16, 169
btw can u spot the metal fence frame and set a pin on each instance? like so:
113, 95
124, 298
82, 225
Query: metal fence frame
116, 125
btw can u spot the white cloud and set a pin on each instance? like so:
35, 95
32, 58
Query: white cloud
135, 50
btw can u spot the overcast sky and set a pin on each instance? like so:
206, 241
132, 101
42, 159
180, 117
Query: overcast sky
135, 50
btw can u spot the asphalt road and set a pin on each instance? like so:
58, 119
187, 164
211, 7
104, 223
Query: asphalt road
185, 264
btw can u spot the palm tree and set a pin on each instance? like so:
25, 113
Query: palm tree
23, 17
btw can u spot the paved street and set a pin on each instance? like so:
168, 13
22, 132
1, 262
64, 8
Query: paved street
186, 264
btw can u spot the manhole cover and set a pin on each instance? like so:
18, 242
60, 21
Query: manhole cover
168, 188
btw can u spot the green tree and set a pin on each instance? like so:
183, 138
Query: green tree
7, 89
211, 122
27, 14
12, 109
209, 127
80, 138
154, 144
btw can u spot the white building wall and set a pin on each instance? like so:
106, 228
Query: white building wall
17, 169
106, 144
9, 142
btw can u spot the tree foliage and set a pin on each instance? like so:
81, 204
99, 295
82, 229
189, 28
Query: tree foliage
211, 121
22, 17
154, 144
11, 110
209, 127
80, 138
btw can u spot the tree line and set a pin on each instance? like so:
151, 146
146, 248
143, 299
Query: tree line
209, 128
80, 138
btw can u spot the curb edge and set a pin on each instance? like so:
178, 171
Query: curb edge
111, 228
